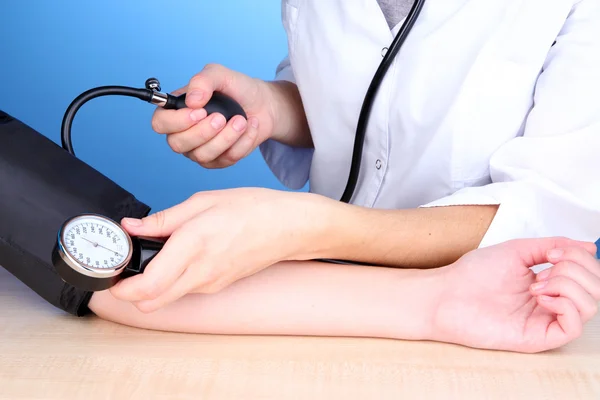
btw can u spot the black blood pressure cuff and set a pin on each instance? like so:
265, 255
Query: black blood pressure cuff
41, 186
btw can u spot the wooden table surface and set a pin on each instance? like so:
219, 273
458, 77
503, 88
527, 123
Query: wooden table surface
45, 354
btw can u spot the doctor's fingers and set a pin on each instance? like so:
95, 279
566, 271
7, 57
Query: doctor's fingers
173, 121
197, 135
181, 287
240, 149
207, 153
165, 223
163, 271
201, 277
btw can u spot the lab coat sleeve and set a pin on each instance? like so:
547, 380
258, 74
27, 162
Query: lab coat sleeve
290, 165
547, 182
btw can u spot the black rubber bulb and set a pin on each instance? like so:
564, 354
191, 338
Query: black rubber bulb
145, 249
218, 103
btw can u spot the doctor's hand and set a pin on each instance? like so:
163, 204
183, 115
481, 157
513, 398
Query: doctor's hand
273, 110
216, 238
492, 300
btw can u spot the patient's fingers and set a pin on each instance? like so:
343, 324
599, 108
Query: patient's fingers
583, 276
562, 286
567, 326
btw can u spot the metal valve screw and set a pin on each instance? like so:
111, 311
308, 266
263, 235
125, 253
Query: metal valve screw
153, 84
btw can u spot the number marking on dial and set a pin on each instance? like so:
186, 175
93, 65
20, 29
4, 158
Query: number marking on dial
96, 243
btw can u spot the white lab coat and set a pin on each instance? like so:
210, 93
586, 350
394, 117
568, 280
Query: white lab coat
488, 102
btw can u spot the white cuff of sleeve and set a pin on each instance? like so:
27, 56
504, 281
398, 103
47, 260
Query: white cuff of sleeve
529, 209
290, 165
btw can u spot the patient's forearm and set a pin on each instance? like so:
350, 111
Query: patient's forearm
299, 298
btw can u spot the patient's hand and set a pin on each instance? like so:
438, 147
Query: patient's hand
491, 299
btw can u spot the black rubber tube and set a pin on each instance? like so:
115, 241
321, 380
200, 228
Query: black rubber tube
142, 94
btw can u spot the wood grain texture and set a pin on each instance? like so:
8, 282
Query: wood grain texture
45, 354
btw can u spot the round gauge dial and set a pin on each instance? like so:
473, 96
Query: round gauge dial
95, 242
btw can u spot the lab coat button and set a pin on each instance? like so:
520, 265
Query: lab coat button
384, 51
378, 164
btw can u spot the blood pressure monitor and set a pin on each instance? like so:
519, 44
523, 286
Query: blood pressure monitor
93, 252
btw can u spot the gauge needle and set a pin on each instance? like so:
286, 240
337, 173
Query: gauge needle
98, 245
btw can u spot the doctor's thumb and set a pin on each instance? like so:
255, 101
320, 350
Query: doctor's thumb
158, 225
213, 77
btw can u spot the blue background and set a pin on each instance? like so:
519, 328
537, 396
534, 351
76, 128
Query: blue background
51, 51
